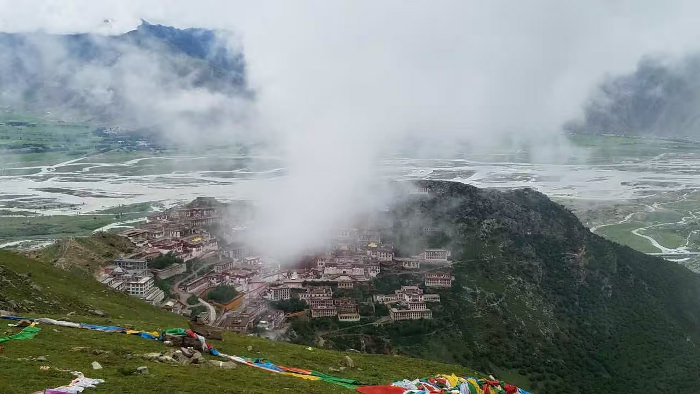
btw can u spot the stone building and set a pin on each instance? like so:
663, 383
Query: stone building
438, 279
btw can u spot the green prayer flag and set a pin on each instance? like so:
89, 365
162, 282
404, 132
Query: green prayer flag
28, 332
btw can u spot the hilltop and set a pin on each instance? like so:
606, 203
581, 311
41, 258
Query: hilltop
86, 253
538, 299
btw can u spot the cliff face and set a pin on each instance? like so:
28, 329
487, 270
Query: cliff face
536, 295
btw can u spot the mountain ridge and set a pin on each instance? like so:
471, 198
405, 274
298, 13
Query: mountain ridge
538, 297
119, 79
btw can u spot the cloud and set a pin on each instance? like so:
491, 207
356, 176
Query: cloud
341, 84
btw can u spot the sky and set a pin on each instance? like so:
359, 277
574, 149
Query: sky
465, 67
338, 81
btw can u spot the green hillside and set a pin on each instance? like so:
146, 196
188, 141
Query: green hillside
87, 253
37, 289
539, 300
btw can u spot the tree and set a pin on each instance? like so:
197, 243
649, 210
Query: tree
164, 261
290, 306
223, 294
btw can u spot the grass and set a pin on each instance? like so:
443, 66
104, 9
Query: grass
59, 226
622, 233
39, 141
607, 149
666, 237
85, 253
142, 207
118, 353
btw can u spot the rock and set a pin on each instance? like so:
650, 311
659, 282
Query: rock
250, 348
168, 343
187, 351
96, 365
222, 364
70, 313
174, 339
166, 359
342, 368
333, 369
180, 357
23, 323
309, 348
98, 312
197, 358
151, 356
347, 361
41, 359
188, 341
142, 370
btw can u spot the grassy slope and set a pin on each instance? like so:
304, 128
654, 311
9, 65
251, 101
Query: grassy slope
63, 291
599, 322
540, 301
622, 233
88, 253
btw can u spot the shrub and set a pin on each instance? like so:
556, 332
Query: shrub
222, 294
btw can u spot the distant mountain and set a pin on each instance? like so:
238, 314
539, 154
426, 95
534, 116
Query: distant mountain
129, 78
538, 298
660, 98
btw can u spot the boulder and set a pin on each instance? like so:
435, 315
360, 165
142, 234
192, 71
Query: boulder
191, 342
181, 357
166, 359
187, 351
142, 370
98, 312
348, 362
197, 358
96, 365
222, 364
23, 323
151, 356
176, 340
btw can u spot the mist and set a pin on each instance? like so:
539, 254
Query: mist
339, 86
660, 98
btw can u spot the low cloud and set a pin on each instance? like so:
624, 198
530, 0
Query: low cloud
340, 85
